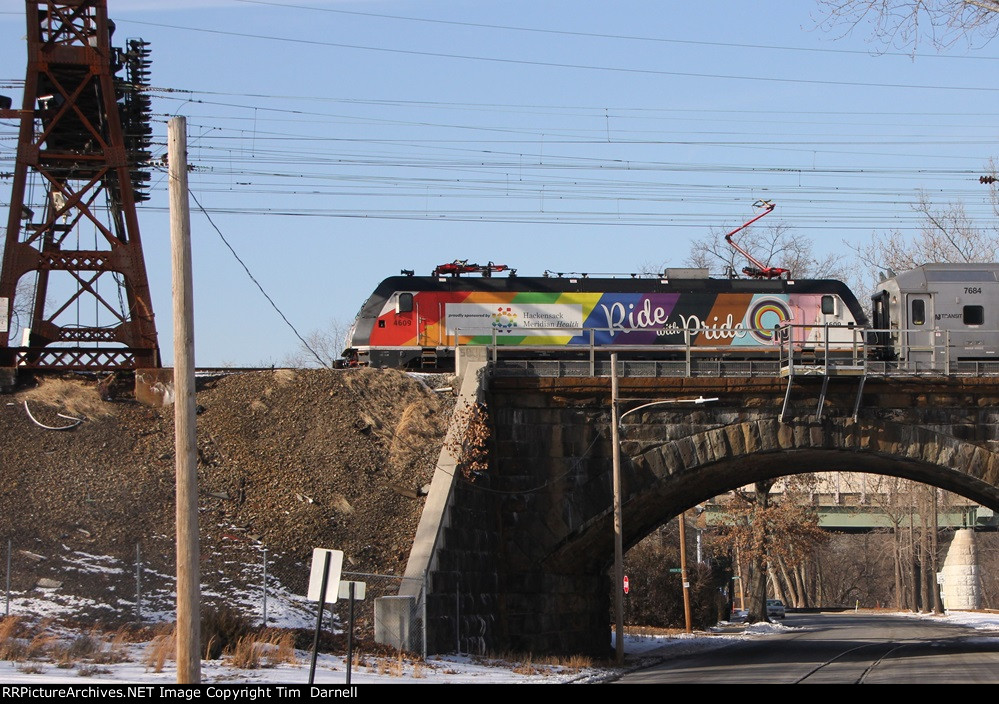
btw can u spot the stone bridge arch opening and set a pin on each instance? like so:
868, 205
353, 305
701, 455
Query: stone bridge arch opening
706, 464
531, 542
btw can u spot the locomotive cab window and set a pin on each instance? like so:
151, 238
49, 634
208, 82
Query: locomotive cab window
974, 315
404, 303
828, 305
919, 312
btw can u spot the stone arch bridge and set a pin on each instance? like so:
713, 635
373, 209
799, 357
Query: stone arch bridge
518, 557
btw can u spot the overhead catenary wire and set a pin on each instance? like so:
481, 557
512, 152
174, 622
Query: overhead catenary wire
605, 35
581, 67
257, 283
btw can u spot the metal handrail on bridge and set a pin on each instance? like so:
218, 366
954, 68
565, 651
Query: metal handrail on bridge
794, 351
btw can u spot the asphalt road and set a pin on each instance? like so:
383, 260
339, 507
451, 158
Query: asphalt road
842, 649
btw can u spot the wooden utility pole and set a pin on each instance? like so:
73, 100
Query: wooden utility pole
185, 439
683, 573
618, 523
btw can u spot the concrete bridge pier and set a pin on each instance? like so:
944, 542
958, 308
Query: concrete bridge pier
961, 579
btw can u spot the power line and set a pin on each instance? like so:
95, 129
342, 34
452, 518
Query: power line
254, 280
599, 35
554, 64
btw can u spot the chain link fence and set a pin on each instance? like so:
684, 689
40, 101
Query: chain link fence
135, 584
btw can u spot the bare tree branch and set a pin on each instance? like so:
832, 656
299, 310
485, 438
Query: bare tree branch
321, 347
947, 235
775, 245
906, 23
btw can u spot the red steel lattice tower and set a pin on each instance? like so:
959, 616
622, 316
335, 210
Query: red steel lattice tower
72, 232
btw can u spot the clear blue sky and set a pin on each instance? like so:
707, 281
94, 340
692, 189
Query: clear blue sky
336, 143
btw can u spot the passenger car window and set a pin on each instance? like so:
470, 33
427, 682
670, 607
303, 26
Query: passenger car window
974, 315
918, 312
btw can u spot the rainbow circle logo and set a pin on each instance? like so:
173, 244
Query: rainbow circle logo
504, 319
765, 314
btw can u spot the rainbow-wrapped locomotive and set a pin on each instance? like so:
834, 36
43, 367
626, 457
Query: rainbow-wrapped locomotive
417, 321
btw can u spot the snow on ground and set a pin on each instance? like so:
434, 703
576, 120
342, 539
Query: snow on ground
451, 669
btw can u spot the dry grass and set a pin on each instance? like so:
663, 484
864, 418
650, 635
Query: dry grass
341, 505
379, 391
69, 396
285, 650
40, 645
247, 653
266, 649
21, 642
161, 648
547, 665
11, 643
525, 668
650, 631
418, 670
284, 376
578, 662
116, 650
222, 628
418, 423
91, 670
83, 646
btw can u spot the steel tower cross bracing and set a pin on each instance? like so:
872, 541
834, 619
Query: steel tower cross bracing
72, 230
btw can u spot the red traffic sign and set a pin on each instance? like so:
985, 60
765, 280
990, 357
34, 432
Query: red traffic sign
626, 584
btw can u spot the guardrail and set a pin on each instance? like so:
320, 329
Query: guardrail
793, 350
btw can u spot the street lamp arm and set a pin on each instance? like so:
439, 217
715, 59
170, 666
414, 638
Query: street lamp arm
699, 400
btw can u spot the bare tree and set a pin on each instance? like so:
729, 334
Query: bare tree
776, 536
946, 234
20, 311
907, 23
775, 245
320, 348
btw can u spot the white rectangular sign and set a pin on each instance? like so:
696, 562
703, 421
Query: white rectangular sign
316, 576
514, 318
4, 321
358, 590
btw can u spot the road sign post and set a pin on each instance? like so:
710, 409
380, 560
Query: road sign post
326, 568
352, 591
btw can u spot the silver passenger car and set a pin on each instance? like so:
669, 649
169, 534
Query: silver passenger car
938, 314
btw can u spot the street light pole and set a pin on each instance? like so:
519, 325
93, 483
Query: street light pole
616, 418
618, 531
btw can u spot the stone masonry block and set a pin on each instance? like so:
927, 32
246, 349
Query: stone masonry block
688, 453
785, 436
736, 440
802, 437
718, 444
816, 435
768, 434
751, 435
